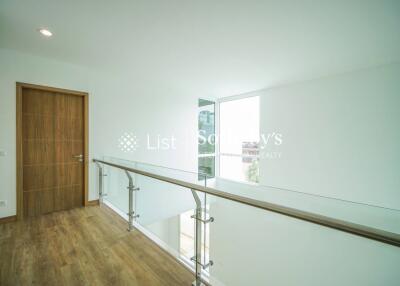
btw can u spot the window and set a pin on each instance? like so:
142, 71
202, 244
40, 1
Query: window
206, 143
240, 139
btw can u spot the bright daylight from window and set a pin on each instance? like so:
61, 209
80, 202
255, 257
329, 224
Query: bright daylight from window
240, 139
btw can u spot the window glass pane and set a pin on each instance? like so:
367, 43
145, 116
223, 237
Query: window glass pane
206, 143
239, 124
244, 169
207, 166
206, 127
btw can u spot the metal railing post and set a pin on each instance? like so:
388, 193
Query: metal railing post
197, 237
198, 217
131, 213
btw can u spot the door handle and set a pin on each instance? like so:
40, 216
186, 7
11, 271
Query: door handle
79, 157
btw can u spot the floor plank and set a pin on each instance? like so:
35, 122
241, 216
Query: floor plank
83, 246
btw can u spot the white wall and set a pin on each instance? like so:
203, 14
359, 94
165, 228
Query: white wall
117, 104
341, 136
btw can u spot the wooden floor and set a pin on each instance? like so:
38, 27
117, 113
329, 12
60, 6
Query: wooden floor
84, 246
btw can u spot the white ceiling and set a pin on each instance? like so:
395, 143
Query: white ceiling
219, 47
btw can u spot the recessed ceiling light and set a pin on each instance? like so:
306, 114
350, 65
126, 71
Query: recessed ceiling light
45, 32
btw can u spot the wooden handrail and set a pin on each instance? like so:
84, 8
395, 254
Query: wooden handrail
349, 227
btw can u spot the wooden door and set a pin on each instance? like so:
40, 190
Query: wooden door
52, 151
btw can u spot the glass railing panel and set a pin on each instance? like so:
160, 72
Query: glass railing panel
355, 212
165, 213
368, 215
186, 176
115, 190
251, 246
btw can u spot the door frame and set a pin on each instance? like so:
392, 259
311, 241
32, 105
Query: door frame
19, 89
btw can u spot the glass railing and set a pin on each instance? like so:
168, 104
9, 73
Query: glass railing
161, 210
239, 244
379, 217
